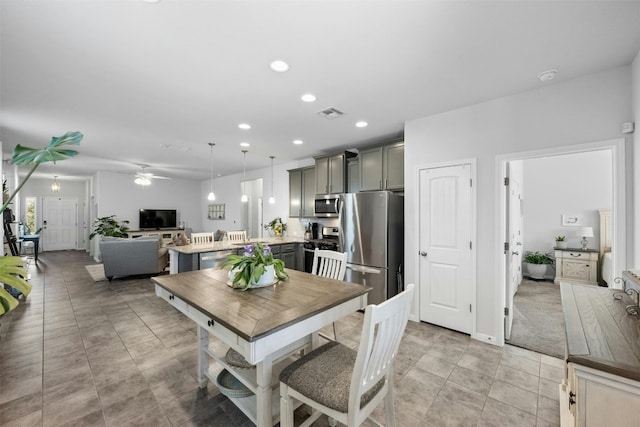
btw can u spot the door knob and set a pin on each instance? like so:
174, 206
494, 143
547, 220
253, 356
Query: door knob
423, 253
515, 253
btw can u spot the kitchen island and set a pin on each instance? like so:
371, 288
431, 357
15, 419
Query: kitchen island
211, 255
264, 325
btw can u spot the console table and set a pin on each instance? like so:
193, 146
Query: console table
601, 386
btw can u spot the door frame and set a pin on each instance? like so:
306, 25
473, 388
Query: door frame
473, 171
617, 148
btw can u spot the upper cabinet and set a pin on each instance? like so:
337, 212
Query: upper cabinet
331, 173
302, 184
382, 168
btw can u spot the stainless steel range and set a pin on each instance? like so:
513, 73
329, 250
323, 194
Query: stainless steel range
328, 242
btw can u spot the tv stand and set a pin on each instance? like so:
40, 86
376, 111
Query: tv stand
167, 234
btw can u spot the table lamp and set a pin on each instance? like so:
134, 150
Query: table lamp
584, 232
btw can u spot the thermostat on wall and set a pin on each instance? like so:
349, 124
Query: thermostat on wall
627, 127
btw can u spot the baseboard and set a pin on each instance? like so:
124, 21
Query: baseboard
485, 338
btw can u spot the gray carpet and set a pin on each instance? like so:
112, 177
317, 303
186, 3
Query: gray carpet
538, 323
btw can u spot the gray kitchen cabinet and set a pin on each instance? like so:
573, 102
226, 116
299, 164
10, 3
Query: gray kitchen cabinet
302, 184
353, 176
330, 174
382, 168
287, 253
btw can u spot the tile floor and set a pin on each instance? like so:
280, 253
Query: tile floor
85, 353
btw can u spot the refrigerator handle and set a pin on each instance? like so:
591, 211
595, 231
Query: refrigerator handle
363, 269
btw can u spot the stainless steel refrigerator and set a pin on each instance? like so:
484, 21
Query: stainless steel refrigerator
372, 234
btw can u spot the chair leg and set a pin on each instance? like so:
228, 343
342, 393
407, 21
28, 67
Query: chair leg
335, 334
286, 407
389, 411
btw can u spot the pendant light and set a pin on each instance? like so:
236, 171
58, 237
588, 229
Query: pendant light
211, 197
272, 200
55, 187
244, 198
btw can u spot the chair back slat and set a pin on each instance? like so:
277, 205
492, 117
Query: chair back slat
383, 327
201, 238
237, 236
329, 264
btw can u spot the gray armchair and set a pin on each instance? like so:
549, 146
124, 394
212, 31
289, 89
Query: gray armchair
128, 257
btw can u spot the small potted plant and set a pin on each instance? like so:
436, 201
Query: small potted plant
255, 268
561, 242
276, 226
536, 264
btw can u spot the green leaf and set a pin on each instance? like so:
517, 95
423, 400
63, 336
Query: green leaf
53, 152
7, 301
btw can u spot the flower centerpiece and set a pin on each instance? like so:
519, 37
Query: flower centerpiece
276, 226
256, 267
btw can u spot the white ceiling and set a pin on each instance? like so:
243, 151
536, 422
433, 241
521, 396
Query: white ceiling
136, 77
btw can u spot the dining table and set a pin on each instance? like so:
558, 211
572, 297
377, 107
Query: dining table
267, 326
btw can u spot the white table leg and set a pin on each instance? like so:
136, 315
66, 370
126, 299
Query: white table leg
263, 396
203, 357
173, 262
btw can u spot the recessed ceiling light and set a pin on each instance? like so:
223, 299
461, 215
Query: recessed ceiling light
362, 124
548, 75
297, 141
279, 66
244, 144
151, 1
244, 126
308, 97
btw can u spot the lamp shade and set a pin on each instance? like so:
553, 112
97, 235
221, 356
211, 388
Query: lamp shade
584, 232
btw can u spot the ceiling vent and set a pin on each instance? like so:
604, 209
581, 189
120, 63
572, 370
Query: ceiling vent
330, 113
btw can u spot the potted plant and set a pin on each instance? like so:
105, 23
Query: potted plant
109, 226
13, 269
536, 264
561, 242
256, 267
276, 226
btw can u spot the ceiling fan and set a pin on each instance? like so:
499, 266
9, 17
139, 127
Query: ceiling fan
145, 178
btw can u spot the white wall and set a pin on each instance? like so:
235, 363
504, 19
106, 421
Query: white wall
582, 110
117, 194
635, 230
228, 191
579, 183
41, 187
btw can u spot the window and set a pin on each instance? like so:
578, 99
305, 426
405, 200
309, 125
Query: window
30, 215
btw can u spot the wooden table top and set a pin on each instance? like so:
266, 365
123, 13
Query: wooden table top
600, 333
257, 312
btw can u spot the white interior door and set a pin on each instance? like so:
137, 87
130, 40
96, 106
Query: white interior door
59, 223
445, 246
514, 253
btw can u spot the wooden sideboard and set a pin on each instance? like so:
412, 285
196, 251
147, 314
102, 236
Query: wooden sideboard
577, 266
602, 375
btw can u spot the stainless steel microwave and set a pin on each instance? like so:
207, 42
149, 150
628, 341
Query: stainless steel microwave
326, 206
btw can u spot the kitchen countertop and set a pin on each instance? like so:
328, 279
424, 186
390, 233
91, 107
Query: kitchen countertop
227, 246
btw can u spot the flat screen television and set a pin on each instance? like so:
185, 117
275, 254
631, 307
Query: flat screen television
157, 218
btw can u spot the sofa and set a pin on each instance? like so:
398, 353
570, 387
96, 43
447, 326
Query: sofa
128, 257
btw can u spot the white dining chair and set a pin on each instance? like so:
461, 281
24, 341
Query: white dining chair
329, 264
201, 238
345, 384
237, 236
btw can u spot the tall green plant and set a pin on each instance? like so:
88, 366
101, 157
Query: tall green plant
109, 226
13, 270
